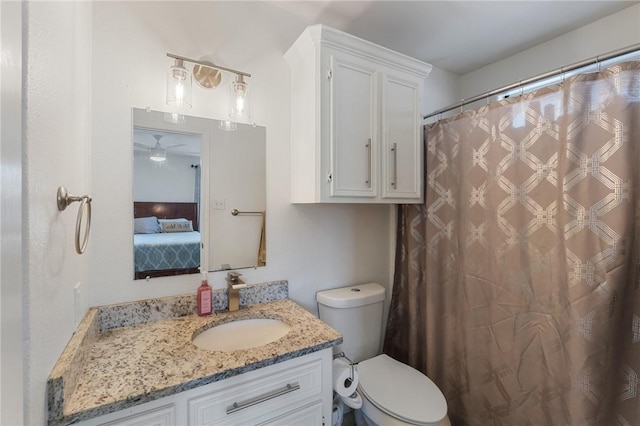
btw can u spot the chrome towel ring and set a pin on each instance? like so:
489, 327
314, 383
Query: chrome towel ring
64, 199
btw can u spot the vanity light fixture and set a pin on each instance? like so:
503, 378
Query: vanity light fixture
208, 76
239, 104
179, 86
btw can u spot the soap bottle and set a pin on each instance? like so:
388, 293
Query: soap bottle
204, 297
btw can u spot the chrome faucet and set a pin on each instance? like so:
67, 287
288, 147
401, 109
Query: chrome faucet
234, 284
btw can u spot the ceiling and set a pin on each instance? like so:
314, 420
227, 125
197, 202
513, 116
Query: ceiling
457, 36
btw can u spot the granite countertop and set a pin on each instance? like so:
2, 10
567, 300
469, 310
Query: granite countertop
106, 371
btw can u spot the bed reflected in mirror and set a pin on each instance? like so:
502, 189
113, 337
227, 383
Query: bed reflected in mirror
166, 193
199, 195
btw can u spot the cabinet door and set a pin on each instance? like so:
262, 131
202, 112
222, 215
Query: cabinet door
402, 139
353, 142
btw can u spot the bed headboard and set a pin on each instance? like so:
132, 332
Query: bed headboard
167, 210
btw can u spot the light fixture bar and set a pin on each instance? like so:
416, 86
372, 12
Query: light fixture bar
209, 65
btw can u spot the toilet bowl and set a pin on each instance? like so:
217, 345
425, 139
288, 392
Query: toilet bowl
395, 394
392, 393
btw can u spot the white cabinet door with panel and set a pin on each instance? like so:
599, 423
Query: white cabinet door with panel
353, 142
356, 129
402, 140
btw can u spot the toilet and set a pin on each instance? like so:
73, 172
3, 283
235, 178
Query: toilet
392, 393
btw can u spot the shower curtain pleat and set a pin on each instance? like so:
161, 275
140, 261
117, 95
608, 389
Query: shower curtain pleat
197, 192
517, 283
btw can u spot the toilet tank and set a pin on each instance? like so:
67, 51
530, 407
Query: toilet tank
355, 312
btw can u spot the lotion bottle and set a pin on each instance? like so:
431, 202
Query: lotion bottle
204, 297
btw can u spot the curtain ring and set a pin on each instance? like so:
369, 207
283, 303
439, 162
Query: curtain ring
598, 63
461, 105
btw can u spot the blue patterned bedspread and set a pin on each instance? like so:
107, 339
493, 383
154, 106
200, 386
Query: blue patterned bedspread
162, 251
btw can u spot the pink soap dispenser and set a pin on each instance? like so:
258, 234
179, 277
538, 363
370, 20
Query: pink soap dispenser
204, 297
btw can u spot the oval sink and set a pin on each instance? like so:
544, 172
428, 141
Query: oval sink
241, 334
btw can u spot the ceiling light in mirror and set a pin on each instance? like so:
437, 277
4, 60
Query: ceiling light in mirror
158, 154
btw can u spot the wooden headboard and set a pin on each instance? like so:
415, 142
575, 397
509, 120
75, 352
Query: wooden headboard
167, 210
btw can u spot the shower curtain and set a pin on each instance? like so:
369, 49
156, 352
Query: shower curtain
517, 283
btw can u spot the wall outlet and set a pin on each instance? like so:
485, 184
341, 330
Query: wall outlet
77, 303
218, 204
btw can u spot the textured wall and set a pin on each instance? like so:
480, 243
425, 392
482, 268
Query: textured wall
314, 247
57, 130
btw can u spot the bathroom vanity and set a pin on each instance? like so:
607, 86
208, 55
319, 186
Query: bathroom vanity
136, 364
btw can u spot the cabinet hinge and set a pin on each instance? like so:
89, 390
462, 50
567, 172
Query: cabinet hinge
329, 73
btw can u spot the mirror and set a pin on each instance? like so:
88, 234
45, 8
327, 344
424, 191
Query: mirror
199, 195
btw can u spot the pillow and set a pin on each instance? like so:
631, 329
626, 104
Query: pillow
176, 225
181, 219
146, 225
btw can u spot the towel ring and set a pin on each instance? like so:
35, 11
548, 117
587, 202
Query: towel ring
65, 199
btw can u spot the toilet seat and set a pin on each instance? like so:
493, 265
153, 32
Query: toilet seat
401, 391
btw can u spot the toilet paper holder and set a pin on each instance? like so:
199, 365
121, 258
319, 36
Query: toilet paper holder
342, 355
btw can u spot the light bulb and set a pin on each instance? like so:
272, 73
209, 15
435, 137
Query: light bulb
239, 106
174, 117
179, 86
227, 125
158, 154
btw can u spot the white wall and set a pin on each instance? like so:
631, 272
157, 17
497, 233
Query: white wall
613, 32
313, 246
173, 180
11, 309
57, 149
237, 173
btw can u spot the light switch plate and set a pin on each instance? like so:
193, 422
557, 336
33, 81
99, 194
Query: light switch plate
218, 204
77, 303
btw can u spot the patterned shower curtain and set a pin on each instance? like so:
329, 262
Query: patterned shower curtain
517, 283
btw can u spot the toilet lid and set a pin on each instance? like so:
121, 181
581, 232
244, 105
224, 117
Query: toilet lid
401, 391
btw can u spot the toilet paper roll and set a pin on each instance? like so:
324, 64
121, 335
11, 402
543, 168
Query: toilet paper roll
354, 400
343, 383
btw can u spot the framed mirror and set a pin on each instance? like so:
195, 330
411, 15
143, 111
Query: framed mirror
199, 195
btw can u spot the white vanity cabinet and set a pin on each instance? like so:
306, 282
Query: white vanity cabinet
356, 126
293, 392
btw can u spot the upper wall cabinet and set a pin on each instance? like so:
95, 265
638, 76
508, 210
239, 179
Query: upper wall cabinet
356, 127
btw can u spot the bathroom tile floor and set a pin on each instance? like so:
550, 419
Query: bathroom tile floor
349, 419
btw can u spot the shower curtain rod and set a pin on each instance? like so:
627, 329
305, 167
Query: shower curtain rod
539, 77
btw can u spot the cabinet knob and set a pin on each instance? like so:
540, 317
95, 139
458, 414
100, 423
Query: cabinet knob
329, 177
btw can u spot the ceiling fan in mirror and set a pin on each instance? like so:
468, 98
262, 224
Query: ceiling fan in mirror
157, 152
